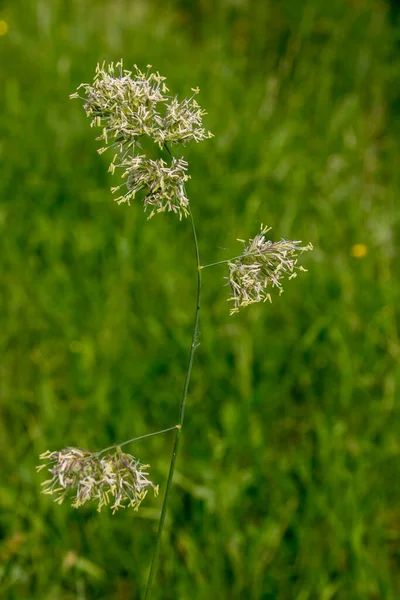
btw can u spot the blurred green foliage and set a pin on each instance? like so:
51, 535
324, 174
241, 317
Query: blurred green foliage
287, 485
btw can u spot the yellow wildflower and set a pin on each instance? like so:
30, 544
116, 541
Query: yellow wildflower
359, 250
3, 27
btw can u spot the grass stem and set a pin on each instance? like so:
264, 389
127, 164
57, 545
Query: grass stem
141, 437
181, 416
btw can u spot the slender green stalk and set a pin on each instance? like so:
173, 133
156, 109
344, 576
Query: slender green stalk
181, 416
220, 262
228, 260
141, 437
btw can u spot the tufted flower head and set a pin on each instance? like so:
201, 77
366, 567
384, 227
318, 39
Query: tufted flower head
130, 106
262, 265
117, 479
125, 106
164, 185
182, 123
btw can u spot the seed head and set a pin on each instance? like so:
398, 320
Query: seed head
262, 265
132, 105
116, 479
164, 185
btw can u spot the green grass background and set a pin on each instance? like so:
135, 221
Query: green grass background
287, 483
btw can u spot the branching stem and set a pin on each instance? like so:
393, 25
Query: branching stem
182, 406
228, 260
141, 437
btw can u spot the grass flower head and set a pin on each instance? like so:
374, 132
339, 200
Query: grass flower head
164, 185
116, 479
262, 265
130, 106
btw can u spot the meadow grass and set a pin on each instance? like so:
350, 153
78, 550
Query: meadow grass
287, 480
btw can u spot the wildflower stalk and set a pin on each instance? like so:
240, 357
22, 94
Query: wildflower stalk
129, 106
220, 262
136, 439
182, 407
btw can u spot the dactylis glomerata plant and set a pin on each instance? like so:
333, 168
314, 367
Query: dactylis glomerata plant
129, 107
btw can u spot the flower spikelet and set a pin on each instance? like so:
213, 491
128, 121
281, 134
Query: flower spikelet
262, 265
164, 185
125, 106
117, 479
182, 123
132, 105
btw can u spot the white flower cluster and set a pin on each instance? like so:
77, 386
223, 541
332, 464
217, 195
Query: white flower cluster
131, 106
263, 264
182, 123
117, 479
165, 185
